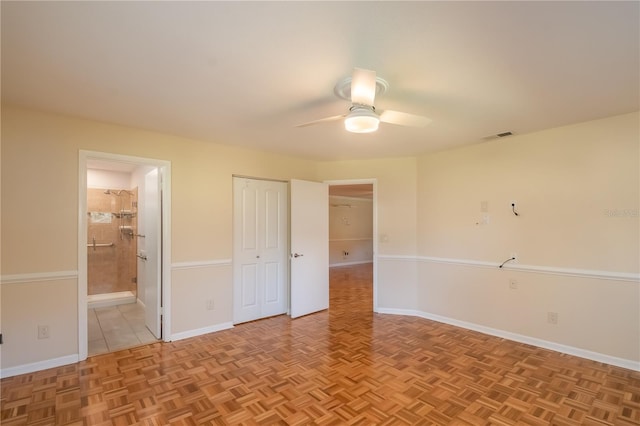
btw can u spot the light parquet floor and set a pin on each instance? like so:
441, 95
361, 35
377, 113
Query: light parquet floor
346, 366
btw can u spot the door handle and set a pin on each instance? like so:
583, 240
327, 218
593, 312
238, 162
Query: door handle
297, 255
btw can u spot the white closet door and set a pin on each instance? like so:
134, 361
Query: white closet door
260, 249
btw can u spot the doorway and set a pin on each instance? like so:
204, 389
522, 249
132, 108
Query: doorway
122, 256
352, 232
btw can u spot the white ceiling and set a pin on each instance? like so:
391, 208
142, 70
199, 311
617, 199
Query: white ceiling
245, 73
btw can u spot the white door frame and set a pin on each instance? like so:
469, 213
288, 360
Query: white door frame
165, 170
373, 182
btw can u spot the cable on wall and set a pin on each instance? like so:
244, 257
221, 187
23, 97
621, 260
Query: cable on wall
508, 260
513, 209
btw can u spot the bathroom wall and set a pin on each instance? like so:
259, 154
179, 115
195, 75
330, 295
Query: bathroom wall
111, 269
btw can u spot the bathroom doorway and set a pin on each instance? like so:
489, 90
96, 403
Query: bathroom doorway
123, 258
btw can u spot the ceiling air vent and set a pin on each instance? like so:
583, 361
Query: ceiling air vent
504, 134
497, 136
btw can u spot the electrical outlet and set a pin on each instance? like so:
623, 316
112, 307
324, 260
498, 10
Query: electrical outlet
210, 305
552, 318
513, 284
43, 332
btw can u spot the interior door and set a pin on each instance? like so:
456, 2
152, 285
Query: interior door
309, 247
152, 251
260, 249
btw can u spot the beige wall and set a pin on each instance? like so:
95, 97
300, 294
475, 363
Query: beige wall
565, 182
27, 305
573, 185
40, 220
577, 193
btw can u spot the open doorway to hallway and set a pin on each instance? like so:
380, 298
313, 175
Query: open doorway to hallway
351, 242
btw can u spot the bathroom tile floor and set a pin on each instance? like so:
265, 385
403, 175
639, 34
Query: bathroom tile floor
117, 327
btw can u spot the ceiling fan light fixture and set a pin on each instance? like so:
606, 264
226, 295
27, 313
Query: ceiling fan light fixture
361, 120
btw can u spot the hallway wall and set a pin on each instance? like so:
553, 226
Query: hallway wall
350, 230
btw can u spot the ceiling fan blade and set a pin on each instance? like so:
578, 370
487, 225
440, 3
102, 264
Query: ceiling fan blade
403, 119
322, 120
363, 86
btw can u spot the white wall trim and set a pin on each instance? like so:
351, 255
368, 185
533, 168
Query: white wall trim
355, 262
557, 347
37, 366
350, 239
550, 270
201, 264
200, 331
38, 277
347, 198
395, 257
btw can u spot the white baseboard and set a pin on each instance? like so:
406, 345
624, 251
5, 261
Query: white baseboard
201, 331
110, 299
569, 350
37, 366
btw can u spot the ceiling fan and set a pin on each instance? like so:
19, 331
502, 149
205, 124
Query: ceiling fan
361, 89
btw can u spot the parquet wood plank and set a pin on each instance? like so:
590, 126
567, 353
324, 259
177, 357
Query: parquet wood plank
344, 366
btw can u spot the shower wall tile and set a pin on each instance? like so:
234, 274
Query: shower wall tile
111, 269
